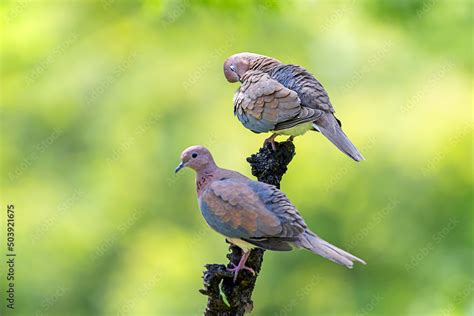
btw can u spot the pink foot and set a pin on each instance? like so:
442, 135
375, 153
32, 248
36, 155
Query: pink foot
236, 270
272, 141
241, 266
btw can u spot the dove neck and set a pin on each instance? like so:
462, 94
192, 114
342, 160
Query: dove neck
204, 177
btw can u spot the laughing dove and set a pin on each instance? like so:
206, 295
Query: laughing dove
283, 99
252, 214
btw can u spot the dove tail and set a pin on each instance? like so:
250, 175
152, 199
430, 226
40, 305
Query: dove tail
315, 244
329, 127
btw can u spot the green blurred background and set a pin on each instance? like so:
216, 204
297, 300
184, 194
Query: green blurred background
98, 99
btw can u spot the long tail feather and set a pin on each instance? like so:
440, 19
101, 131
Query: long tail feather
321, 247
329, 127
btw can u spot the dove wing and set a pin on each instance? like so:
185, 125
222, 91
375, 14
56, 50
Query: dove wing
263, 104
252, 211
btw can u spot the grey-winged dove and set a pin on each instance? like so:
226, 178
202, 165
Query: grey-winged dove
252, 214
283, 99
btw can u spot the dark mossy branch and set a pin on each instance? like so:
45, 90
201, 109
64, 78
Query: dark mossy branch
268, 166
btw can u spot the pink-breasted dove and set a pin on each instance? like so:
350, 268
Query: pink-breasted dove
283, 99
252, 214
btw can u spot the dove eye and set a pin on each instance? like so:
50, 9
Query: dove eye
232, 67
194, 155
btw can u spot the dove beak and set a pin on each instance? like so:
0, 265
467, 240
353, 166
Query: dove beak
179, 167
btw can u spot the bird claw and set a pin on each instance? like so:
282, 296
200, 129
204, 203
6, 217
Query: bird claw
272, 141
249, 269
236, 269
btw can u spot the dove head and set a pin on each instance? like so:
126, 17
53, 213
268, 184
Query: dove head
197, 158
237, 65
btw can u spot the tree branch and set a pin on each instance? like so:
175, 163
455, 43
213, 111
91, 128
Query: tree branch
268, 166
